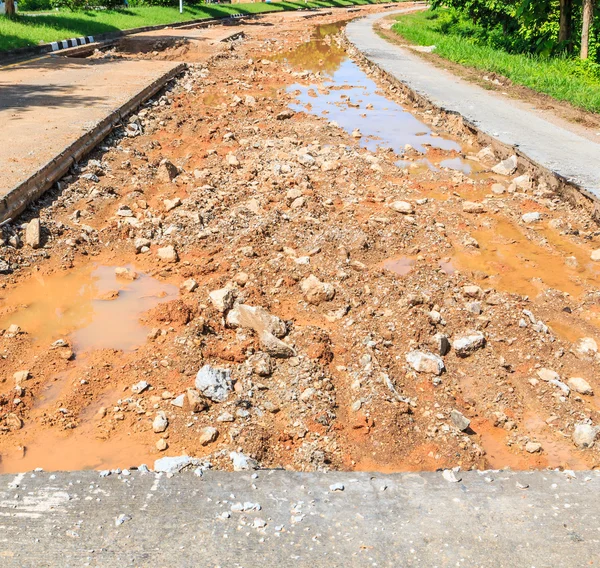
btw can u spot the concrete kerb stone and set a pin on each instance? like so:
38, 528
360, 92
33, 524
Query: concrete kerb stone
18, 198
575, 194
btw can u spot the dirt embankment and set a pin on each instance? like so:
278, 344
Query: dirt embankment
370, 308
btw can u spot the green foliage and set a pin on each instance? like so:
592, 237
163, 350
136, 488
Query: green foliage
463, 42
34, 5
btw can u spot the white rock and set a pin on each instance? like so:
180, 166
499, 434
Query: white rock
242, 462
466, 344
506, 167
403, 207
33, 233
223, 298
586, 346
174, 464
584, 435
533, 217
140, 387
580, 386
472, 207
256, 318
316, 291
207, 435
596, 255
533, 447
548, 375
214, 384
459, 420
168, 254
160, 423
424, 362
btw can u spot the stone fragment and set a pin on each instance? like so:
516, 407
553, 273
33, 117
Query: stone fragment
424, 362
440, 344
533, 447
595, 256
160, 423
242, 462
33, 234
472, 291
548, 375
207, 435
465, 345
166, 171
171, 204
315, 291
403, 207
584, 435
20, 377
189, 285
161, 445
140, 387
175, 464
222, 299
275, 347
533, 217
459, 420
506, 167
580, 386
168, 254
13, 422
336, 487
586, 346
473, 207
255, 318
193, 401
126, 273
214, 384
261, 364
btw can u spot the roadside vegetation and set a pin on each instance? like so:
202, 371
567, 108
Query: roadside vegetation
26, 29
534, 57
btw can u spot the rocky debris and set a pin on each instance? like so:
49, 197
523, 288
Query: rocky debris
533, 447
166, 171
33, 234
193, 401
440, 344
586, 346
214, 384
402, 207
160, 423
580, 386
189, 285
126, 273
473, 207
506, 167
161, 445
207, 435
168, 254
223, 298
255, 318
467, 344
460, 421
315, 292
242, 462
533, 217
450, 476
274, 346
261, 364
285, 114
140, 387
20, 377
424, 362
175, 464
584, 435
548, 375
171, 204
595, 256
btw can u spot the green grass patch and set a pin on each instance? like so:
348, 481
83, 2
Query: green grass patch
563, 79
31, 29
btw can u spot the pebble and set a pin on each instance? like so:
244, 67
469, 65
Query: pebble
160, 423
506, 167
33, 234
424, 362
214, 384
584, 435
315, 292
467, 344
533, 447
207, 435
403, 207
580, 385
336, 487
168, 254
242, 462
459, 420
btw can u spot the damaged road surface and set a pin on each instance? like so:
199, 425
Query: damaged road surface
281, 262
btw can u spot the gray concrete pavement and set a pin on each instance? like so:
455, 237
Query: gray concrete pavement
496, 519
568, 155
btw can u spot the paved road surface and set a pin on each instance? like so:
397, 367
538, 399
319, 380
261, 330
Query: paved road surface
400, 520
550, 146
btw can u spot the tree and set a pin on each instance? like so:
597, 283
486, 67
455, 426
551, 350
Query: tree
9, 8
586, 22
565, 30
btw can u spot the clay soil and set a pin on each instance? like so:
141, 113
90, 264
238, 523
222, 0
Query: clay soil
260, 198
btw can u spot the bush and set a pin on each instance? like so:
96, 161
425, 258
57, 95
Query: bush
34, 5
87, 4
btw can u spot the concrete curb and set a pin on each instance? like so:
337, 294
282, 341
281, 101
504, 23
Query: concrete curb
429, 87
17, 199
270, 518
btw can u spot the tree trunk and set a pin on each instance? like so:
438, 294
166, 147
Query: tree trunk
9, 7
586, 22
566, 23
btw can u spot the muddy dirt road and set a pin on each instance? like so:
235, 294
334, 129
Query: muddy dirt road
357, 287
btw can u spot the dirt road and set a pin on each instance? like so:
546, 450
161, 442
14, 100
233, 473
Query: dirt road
376, 296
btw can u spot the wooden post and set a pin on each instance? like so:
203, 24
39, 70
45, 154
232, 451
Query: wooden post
586, 22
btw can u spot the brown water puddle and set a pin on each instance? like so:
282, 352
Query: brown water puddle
518, 265
70, 305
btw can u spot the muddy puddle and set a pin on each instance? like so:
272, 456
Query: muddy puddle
353, 101
92, 308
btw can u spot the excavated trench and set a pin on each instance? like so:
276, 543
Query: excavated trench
354, 149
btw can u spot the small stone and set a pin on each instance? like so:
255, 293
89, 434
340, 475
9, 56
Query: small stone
178, 401
472, 207
233, 161
533, 447
275, 347
126, 273
189, 285
472, 291
13, 422
584, 435
207, 435
160, 423
460, 420
171, 204
166, 171
315, 291
580, 386
261, 364
242, 462
336, 487
531, 217
140, 387
548, 375
450, 476
214, 384
20, 377
222, 299
168, 254
586, 346
423, 362
403, 207
440, 344
498, 189
33, 234
285, 114
595, 256
175, 464
193, 401
506, 167
465, 345
161, 445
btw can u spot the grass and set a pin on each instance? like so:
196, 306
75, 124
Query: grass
31, 29
561, 78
